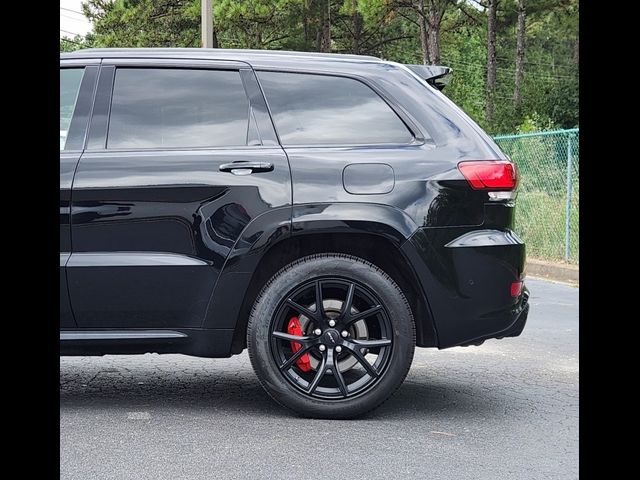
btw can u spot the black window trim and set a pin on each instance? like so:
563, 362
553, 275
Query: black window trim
100, 132
85, 99
410, 124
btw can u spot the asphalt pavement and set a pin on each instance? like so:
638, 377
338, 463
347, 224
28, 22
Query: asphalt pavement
505, 410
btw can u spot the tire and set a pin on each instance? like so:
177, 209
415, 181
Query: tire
388, 334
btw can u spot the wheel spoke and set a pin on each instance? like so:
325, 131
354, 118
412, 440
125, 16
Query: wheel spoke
319, 300
332, 360
359, 316
383, 342
355, 350
346, 307
294, 357
292, 338
322, 369
303, 310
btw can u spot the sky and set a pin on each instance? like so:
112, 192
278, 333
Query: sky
72, 22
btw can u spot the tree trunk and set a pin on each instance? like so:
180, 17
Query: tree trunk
520, 39
424, 37
215, 43
576, 51
306, 26
491, 58
323, 39
433, 32
356, 27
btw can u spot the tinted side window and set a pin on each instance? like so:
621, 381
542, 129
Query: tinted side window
319, 109
160, 108
70, 79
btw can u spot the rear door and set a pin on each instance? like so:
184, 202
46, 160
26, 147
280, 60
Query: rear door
77, 83
181, 156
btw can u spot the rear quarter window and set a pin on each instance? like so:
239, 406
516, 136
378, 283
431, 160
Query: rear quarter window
312, 109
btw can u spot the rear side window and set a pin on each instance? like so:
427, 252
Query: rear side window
326, 110
70, 79
164, 108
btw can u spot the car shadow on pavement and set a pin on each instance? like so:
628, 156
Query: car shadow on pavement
439, 398
223, 393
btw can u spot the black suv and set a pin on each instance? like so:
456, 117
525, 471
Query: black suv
326, 212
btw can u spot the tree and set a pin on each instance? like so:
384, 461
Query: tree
72, 44
258, 23
323, 37
354, 24
430, 14
492, 13
424, 34
520, 43
145, 23
434, 15
488, 43
370, 27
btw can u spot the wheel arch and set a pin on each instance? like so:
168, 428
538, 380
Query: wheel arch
373, 232
376, 249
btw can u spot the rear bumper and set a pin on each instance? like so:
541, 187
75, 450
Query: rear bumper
519, 318
466, 276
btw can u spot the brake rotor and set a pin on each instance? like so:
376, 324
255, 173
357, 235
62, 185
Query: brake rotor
358, 331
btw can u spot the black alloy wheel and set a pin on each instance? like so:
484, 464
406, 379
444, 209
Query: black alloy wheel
331, 336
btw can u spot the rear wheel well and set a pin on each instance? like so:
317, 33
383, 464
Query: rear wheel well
373, 248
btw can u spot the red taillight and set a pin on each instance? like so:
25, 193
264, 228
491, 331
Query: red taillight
516, 288
490, 174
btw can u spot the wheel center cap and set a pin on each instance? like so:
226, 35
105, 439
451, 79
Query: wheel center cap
331, 337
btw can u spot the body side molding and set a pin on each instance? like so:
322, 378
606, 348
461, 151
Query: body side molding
131, 259
119, 334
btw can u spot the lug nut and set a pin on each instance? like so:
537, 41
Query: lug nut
344, 334
322, 348
332, 323
317, 331
338, 349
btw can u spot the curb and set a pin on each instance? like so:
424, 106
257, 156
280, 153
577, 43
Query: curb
560, 272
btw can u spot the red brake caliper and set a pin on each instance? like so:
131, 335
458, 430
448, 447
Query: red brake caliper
304, 363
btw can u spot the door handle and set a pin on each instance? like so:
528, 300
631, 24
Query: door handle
246, 168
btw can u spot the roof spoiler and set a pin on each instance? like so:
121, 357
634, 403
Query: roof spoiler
436, 75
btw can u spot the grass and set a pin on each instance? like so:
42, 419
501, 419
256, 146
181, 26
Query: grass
540, 209
540, 222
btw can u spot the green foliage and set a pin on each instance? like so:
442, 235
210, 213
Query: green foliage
465, 52
273, 24
536, 123
144, 23
76, 43
385, 28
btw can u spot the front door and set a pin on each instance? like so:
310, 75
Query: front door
179, 160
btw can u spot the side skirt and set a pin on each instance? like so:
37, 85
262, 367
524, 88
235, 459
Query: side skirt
210, 343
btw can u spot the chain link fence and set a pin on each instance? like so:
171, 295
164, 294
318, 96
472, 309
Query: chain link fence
547, 215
